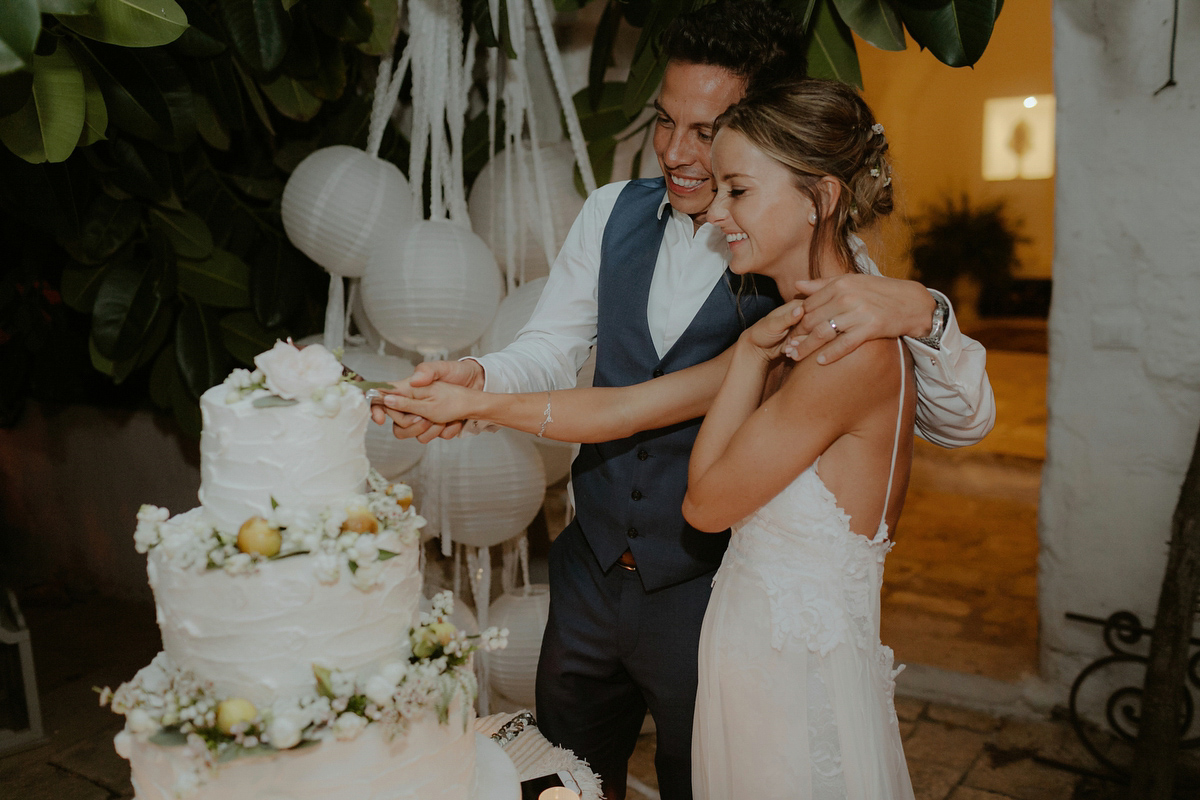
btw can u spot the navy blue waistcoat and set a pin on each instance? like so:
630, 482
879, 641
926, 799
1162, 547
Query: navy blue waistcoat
629, 492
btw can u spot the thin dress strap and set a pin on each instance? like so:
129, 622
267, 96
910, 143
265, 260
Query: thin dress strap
896, 441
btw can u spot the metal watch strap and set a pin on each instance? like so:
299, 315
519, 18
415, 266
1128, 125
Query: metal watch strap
940, 312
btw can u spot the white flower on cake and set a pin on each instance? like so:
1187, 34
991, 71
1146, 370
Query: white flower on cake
360, 532
293, 373
284, 731
140, 722
348, 726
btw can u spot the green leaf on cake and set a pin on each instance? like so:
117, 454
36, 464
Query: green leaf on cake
384, 555
324, 684
169, 737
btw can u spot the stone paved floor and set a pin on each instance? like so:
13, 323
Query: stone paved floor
81, 643
960, 587
956, 754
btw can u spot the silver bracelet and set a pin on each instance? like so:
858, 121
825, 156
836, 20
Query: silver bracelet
546, 418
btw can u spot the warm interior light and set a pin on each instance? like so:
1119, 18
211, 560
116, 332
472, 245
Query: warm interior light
1018, 138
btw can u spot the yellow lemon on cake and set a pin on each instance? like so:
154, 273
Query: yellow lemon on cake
402, 493
257, 536
359, 520
232, 711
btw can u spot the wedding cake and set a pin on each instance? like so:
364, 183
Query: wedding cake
295, 662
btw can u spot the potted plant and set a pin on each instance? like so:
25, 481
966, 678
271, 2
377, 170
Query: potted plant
965, 250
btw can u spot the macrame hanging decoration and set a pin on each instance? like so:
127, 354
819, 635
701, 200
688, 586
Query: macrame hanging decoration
511, 201
340, 202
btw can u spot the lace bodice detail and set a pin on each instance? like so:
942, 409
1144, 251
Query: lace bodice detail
823, 580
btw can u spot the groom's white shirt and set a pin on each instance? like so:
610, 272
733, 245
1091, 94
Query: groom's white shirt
955, 404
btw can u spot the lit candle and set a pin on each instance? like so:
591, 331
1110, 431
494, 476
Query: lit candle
558, 793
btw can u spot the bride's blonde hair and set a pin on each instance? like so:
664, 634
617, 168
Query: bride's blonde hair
818, 128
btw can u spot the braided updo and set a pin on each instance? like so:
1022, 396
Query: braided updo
819, 128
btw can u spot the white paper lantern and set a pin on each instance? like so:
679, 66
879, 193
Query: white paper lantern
513, 670
556, 458
433, 288
388, 455
513, 314
337, 203
493, 484
487, 207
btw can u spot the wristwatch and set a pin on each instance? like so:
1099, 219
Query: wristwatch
941, 311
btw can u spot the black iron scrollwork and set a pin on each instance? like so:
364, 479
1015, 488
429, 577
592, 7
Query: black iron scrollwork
1122, 710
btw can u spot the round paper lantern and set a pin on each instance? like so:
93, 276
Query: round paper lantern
337, 203
556, 458
494, 485
433, 288
513, 314
513, 670
487, 207
388, 455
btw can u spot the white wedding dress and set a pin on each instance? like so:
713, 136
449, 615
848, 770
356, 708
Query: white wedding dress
795, 695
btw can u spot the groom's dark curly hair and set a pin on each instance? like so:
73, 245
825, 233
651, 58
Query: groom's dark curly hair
751, 38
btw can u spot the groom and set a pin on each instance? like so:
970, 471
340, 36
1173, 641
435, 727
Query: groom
643, 277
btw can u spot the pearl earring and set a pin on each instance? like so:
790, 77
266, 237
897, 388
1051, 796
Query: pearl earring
812, 217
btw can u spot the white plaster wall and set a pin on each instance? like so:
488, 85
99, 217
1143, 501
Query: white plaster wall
1124, 386
71, 482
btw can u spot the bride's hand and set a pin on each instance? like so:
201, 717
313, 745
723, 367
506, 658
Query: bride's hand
773, 335
440, 402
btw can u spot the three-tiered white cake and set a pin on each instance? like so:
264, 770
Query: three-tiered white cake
295, 663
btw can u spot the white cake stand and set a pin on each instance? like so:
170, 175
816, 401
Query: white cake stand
496, 776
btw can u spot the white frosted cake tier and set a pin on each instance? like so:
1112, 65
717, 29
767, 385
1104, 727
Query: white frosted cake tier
257, 636
306, 455
431, 762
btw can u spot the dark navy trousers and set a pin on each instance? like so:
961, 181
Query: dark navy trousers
611, 651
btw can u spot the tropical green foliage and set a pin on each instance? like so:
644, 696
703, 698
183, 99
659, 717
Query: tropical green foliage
146, 149
954, 31
146, 145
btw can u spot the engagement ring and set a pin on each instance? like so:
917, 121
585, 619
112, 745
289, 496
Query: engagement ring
833, 325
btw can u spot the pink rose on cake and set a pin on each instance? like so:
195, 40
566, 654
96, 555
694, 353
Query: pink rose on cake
294, 374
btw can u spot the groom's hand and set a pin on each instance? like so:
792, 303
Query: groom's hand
467, 373
862, 307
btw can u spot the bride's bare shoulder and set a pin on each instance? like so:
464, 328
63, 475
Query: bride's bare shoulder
856, 381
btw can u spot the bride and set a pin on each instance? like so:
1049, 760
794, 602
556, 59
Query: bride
807, 462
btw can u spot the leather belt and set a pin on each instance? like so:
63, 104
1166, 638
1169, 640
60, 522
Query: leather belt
626, 561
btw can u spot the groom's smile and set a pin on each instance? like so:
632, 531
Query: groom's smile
692, 97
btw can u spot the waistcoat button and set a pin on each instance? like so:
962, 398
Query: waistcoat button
658, 373
636, 495
632, 533
643, 455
